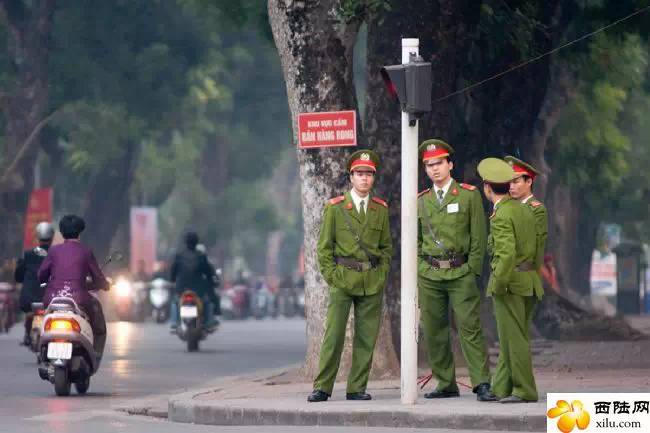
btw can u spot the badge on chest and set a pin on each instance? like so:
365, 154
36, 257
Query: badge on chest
452, 208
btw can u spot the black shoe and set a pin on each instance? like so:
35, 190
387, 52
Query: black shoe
27, 341
515, 399
317, 395
358, 396
483, 393
442, 394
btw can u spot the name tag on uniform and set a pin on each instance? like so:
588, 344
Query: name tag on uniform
452, 208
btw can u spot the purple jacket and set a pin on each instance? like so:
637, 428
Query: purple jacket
65, 270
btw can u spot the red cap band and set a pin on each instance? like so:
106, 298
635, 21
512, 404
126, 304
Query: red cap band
366, 163
433, 154
522, 170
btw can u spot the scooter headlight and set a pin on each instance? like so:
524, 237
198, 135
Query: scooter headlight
123, 288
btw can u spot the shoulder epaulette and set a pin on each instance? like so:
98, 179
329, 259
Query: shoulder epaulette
421, 193
336, 200
380, 201
468, 187
535, 203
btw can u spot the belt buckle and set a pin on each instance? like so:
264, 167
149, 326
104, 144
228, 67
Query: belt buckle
444, 264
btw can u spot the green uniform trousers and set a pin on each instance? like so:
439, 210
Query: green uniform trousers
465, 298
367, 315
514, 371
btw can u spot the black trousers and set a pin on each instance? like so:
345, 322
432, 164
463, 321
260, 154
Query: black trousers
97, 322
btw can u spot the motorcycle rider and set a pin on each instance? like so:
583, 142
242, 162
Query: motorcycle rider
25, 273
191, 270
65, 270
210, 287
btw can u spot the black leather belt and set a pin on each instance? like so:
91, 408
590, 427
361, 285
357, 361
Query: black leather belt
525, 267
445, 263
355, 265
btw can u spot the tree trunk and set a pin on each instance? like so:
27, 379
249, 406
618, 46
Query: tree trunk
23, 108
316, 54
107, 202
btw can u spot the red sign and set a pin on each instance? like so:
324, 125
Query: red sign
328, 129
144, 238
39, 209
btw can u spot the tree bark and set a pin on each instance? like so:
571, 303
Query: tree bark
23, 108
316, 54
107, 202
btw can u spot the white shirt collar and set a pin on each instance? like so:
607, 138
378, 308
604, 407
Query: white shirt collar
444, 189
524, 201
357, 200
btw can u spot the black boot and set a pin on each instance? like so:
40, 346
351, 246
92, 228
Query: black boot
483, 393
317, 396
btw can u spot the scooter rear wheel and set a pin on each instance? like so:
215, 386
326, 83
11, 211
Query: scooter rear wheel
82, 387
61, 382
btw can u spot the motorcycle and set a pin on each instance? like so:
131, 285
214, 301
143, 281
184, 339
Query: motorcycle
130, 299
264, 302
38, 314
7, 307
66, 345
159, 296
191, 328
235, 302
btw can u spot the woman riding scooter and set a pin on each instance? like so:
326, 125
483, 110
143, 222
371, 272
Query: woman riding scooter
65, 270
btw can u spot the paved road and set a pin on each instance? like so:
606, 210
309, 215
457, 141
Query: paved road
141, 360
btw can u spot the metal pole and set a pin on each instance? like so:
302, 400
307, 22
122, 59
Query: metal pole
409, 328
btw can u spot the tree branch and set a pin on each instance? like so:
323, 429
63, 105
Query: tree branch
28, 145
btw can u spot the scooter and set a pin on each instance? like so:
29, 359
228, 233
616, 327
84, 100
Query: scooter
191, 328
66, 345
159, 296
130, 299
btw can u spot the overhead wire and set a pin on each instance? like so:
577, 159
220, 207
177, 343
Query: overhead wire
541, 56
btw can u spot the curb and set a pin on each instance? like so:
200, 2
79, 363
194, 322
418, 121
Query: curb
185, 410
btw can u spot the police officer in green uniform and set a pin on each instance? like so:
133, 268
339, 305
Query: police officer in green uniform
354, 253
451, 247
521, 188
514, 282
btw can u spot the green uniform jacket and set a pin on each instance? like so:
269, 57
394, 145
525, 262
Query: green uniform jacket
513, 241
336, 240
458, 223
541, 223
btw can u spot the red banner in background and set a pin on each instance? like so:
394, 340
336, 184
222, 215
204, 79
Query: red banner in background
144, 237
39, 209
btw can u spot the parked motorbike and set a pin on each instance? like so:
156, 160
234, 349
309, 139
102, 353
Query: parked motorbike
7, 307
159, 297
192, 328
130, 299
264, 302
287, 301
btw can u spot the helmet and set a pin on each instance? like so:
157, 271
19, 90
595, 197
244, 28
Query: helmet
44, 231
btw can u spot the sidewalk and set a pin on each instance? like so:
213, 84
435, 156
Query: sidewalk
275, 399
279, 397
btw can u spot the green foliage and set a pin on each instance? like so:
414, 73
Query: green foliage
593, 153
358, 10
509, 25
